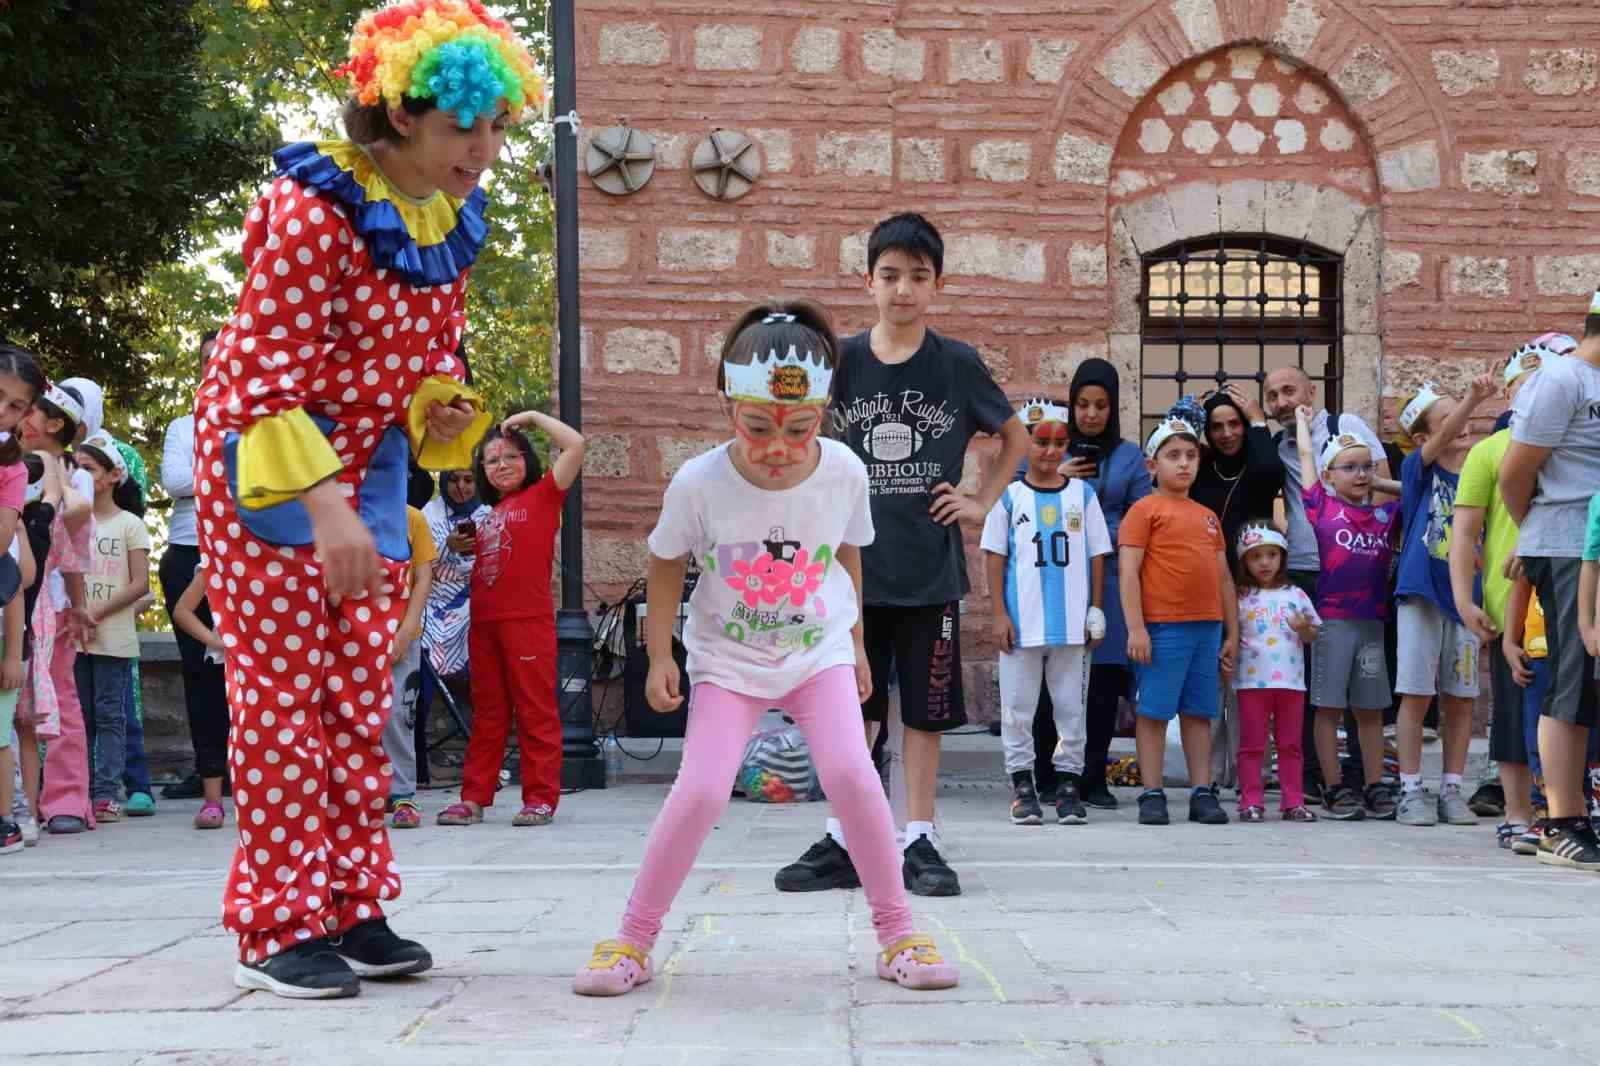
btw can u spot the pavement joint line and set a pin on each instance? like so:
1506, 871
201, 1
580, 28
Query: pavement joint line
449, 996
967, 957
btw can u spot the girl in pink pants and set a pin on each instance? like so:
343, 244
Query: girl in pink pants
776, 519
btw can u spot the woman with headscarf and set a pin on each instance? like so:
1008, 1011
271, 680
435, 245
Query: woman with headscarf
449, 613
1115, 469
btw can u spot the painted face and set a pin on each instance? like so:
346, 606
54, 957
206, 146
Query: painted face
1226, 430
448, 157
1288, 388
16, 398
504, 465
38, 430
1091, 410
104, 479
774, 437
902, 287
460, 485
1351, 473
1049, 446
1263, 563
1176, 464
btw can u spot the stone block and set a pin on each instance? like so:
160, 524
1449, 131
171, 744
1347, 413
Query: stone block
1081, 160
726, 47
1335, 219
1289, 207
1129, 182
1363, 372
980, 61
1005, 162
1086, 264
791, 251
815, 50
1460, 73
1047, 59
1132, 66
1565, 275
1336, 136
1241, 206
1200, 24
777, 149
1361, 278
1057, 365
1126, 352
634, 44
615, 560
713, 347
607, 455
1201, 137
1311, 98
855, 155
1155, 136
1298, 30
1176, 99
1195, 211
672, 147
694, 248
1560, 71
1222, 99
675, 451
1003, 258
1583, 171
1366, 76
585, 350
1245, 139
603, 247
1127, 274
853, 253
1244, 61
922, 158
1401, 269
1266, 100
886, 54
1290, 133
997, 358
1480, 276
1501, 171
631, 350
1413, 168
1150, 222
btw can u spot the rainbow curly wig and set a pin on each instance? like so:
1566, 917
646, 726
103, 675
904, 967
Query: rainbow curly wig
453, 52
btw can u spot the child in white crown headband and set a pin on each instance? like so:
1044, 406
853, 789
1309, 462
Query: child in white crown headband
776, 517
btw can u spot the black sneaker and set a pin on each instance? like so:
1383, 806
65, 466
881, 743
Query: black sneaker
1025, 808
312, 970
1101, 799
1069, 809
373, 950
1204, 808
926, 873
1341, 803
1489, 801
187, 789
1153, 807
824, 865
1379, 801
1313, 791
10, 838
1569, 842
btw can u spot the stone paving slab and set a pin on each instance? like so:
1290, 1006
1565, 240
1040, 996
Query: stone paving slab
1109, 944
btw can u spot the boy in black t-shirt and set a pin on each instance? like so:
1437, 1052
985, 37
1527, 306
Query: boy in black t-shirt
908, 401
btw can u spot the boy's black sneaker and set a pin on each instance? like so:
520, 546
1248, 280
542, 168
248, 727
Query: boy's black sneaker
1342, 804
1025, 808
187, 789
1204, 808
10, 838
925, 871
1569, 842
1313, 791
1379, 801
374, 950
825, 865
1489, 801
1069, 809
310, 970
1153, 807
1101, 799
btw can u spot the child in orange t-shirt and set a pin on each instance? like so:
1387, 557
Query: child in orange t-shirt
1183, 618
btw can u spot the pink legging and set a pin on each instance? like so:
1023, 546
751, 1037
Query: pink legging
829, 714
1286, 708
66, 758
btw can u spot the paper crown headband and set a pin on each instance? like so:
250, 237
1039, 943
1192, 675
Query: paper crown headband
103, 443
1260, 537
1039, 411
453, 52
1412, 415
792, 379
1342, 443
66, 402
1172, 427
1532, 355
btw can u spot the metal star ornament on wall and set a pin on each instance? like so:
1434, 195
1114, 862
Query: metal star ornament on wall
726, 164
621, 160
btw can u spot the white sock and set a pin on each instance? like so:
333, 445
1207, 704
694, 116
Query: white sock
1452, 781
836, 831
1410, 783
918, 829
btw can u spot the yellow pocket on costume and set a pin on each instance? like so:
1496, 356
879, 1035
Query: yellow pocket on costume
435, 454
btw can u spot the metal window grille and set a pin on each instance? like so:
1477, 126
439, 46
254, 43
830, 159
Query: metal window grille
1234, 307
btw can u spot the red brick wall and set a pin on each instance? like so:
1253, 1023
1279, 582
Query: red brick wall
1020, 128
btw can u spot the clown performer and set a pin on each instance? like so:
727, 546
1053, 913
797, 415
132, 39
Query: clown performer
777, 518
337, 360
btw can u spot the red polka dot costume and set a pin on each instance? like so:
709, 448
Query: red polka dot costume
343, 316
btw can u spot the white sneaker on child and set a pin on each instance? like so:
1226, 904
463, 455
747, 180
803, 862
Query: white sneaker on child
30, 831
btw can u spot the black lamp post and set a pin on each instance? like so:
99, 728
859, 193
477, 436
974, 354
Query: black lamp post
581, 766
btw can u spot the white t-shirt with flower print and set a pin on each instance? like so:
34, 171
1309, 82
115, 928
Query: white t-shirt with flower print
1271, 654
773, 607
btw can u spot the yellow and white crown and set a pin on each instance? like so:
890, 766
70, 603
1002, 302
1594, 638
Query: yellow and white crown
792, 379
1035, 412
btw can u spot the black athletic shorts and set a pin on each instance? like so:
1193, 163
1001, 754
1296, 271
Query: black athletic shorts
924, 644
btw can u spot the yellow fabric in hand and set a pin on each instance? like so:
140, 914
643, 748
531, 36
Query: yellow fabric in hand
280, 457
435, 454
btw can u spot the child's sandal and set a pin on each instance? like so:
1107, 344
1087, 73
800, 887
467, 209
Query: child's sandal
1253, 814
913, 962
1299, 814
614, 969
459, 814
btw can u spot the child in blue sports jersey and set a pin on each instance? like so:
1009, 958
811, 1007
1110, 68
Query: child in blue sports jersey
1045, 545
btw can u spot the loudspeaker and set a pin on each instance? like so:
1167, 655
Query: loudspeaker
638, 718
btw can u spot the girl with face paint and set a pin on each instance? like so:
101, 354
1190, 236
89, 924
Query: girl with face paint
777, 519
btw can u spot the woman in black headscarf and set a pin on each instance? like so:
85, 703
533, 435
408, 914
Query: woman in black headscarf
1115, 469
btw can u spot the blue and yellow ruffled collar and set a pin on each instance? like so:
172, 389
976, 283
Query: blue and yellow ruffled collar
428, 242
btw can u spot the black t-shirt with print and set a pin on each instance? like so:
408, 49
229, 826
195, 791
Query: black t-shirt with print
910, 424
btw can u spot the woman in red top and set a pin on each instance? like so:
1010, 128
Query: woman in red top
336, 363
512, 643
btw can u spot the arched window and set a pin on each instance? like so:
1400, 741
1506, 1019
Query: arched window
1235, 306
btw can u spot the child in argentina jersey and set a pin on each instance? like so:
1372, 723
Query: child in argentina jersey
1045, 542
